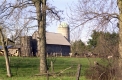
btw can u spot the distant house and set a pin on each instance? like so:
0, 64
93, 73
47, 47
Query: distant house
10, 44
14, 50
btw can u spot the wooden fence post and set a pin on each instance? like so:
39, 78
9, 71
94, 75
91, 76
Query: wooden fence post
78, 72
47, 75
52, 68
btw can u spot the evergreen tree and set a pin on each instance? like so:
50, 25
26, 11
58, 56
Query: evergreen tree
78, 46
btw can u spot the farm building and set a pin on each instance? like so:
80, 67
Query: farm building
1, 49
56, 43
12, 49
26, 45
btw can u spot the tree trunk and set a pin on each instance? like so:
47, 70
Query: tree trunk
42, 41
120, 39
41, 17
5, 54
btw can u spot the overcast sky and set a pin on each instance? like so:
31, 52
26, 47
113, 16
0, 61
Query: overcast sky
64, 6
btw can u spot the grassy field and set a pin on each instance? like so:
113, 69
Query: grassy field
26, 68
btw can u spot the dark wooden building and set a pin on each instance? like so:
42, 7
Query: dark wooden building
56, 44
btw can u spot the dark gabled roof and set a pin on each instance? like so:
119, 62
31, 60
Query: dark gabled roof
15, 47
9, 46
53, 38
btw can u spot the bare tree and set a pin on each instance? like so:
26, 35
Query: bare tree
4, 46
41, 9
38, 13
41, 17
103, 15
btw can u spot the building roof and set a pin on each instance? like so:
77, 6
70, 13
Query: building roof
56, 38
9, 46
53, 38
15, 47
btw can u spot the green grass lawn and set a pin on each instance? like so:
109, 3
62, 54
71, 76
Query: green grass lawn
26, 68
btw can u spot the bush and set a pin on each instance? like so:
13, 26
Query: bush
104, 70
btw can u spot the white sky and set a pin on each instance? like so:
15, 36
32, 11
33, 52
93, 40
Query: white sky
82, 33
60, 5
64, 6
